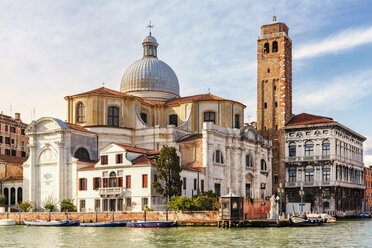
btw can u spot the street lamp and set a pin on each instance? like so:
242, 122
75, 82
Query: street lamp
302, 193
280, 192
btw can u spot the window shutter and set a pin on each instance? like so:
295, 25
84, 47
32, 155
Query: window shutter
99, 183
94, 183
85, 182
117, 182
79, 183
120, 181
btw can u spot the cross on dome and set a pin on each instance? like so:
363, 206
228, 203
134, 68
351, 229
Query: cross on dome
150, 27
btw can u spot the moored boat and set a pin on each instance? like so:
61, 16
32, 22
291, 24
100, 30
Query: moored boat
7, 222
304, 221
364, 215
47, 223
153, 224
104, 224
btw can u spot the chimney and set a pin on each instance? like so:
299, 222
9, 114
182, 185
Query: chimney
17, 116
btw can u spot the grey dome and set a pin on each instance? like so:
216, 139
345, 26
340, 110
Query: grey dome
150, 74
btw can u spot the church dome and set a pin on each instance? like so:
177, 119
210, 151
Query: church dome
149, 77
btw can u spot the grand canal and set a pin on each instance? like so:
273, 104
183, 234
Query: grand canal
346, 233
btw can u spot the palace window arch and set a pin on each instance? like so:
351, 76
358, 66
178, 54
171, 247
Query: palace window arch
309, 148
248, 161
173, 120
144, 117
210, 117
218, 158
275, 46
82, 154
292, 149
263, 165
80, 112
266, 48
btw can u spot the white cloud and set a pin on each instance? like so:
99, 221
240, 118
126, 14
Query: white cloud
335, 43
340, 93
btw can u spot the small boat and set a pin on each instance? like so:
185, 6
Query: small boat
7, 222
47, 223
364, 215
304, 221
73, 222
104, 224
153, 224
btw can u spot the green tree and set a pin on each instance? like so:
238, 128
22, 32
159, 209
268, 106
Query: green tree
26, 206
2, 201
168, 166
181, 203
68, 204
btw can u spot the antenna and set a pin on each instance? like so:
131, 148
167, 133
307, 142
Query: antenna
209, 90
103, 84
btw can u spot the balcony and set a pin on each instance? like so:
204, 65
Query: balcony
111, 191
323, 157
308, 184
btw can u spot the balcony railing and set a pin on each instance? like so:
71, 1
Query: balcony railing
111, 191
323, 157
325, 183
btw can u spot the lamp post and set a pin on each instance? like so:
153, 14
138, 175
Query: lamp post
280, 192
302, 193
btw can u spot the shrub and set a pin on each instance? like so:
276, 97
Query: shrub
181, 203
204, 202
2, 201
26, 206
68, 205
49, 204
148, 209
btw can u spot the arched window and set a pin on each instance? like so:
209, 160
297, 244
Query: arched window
326, 173
210, 117
82, 154
12, 196
292, 174
326, 147
266, 48
275, 46
309, 174
113, 117
237, 121
309, 148
263, 165
292, 149
6, 195
112, 182
80, 112
144, 117
248, 161
19, 194
218, 158
173, 120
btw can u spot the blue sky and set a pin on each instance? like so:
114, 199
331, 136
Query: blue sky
50, 49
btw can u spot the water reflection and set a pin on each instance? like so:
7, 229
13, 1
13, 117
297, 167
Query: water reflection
349, 233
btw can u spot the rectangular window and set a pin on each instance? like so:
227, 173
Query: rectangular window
22, 131
184, 183
144, 181
195, 182
97, 204
96, 182
276, 104
292, 176
1, 139
120, 205
82, 184
7, 152
14, 153
248, 190
217, 189
6, 128
104, 160
23, 154
210, 117
129, 201
145, 202
12, 141
202, 185
128, 182
119, 158
12, 129
105, 205
265, 105
120, 182
326, 175
7, 140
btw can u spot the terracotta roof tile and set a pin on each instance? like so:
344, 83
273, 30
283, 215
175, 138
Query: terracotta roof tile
192, 168
103, 90
138, 149
77, 127
143, 160
201, 97
87, 167
11, 119
12, 159
307, 119
12, 178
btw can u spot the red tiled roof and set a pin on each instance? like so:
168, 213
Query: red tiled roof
143, 160
12, 178
201, 97
137, 149
307, 119
87, 167
191, 137
12, 159
11, 119
77, 127
103, 90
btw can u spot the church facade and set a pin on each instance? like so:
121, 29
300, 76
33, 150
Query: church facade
217, 151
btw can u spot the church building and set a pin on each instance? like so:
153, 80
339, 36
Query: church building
217, 151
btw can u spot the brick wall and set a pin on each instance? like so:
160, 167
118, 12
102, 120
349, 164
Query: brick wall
257, 209
200, 217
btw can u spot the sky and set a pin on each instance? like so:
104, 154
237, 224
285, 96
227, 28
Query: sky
51, 49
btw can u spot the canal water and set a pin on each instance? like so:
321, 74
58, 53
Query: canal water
346, 233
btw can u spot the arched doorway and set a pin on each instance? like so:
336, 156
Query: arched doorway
6, 195
19, 194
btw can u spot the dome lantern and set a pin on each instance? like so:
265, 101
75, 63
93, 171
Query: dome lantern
150, 45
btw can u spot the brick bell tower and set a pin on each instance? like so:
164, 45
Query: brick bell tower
274, 91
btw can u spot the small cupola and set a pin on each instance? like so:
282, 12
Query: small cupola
150, 45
